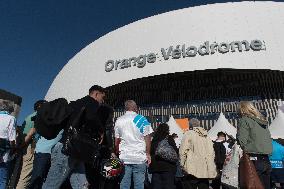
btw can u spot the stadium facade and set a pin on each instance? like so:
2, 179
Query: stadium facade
193, 62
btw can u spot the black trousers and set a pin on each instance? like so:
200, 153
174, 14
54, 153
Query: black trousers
163, 180
263, 169
216, 183
191, 182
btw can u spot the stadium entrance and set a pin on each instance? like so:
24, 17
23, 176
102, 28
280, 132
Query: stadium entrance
201, 94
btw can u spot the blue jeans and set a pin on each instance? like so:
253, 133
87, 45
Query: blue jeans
3, 174
41, 165
63, 167
138, 172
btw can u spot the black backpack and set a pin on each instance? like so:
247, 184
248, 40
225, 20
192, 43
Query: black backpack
220, 154
52, 117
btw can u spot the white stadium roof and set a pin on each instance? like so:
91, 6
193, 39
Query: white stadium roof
148, 47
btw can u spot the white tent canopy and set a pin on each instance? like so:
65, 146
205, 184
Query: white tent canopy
175, 128
223, 125
277, 126
281, 106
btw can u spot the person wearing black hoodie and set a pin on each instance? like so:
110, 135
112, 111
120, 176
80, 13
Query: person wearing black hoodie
163, 172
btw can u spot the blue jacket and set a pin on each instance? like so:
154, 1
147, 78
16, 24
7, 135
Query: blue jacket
277, 156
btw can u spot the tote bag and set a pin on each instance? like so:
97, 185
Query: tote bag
230, 173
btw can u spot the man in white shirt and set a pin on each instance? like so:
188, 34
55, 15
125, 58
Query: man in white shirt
132, 134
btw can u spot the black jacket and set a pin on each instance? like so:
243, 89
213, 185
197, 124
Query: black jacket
99, 118
93, 124
106, 114
158, 164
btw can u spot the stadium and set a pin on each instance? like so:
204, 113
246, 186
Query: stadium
193, 62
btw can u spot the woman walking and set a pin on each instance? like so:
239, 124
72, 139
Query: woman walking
163, 171
255, 140
197, 157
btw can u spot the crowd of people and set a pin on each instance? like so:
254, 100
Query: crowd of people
90, 150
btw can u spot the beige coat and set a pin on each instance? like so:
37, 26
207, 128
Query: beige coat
197, 154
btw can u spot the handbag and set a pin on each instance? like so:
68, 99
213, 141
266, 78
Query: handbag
248, 175
166, 152
79, 144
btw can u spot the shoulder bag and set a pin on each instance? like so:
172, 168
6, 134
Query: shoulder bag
248, 175
166, 152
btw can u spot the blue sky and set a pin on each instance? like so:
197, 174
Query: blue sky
37, 38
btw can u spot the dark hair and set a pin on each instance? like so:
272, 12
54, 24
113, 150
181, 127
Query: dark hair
96, 88
6, 105
221, 134
174, 135
38, 104
162, 132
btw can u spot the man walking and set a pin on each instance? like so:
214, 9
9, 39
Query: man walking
41, 161
28, 148
132, 134
62, 166
221, 148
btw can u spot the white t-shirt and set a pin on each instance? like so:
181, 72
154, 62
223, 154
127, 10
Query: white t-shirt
131, 129
7, 130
